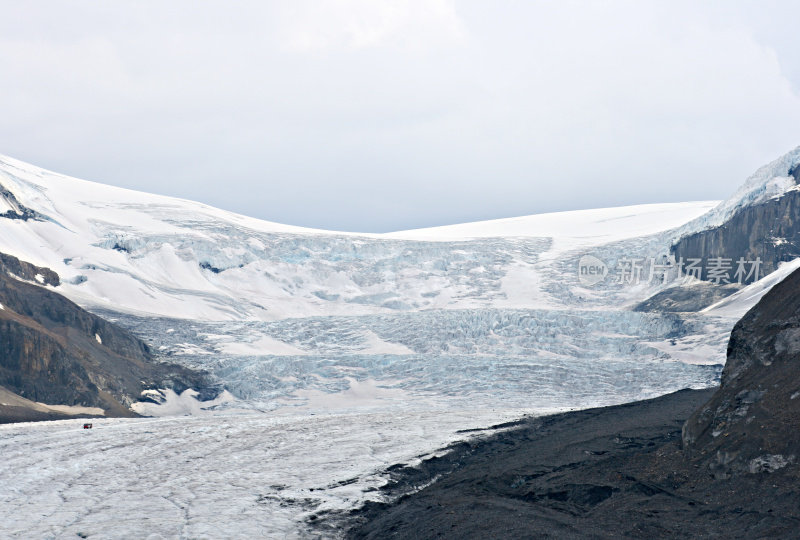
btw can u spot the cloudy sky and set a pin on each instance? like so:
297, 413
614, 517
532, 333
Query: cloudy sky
384, 115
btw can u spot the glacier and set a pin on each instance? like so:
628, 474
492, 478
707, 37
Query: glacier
341, 353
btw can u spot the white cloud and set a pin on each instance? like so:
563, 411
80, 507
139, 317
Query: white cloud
385, 115
308, 25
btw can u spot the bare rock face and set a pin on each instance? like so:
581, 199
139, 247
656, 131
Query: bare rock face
12, 266
52, 351
752, 423
769, 231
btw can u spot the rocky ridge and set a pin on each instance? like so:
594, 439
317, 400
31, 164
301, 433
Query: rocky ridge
52, 351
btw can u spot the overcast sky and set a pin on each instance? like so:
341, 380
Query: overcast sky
375, 115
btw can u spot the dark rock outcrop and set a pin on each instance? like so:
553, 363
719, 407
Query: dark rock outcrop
52, 351
769, 231
752, 423
12, 266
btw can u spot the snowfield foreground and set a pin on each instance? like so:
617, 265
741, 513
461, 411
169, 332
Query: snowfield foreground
340, 353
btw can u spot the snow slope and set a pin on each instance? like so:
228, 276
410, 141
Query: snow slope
574, 229
739, 303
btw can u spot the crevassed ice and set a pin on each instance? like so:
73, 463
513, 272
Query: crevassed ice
519, 358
